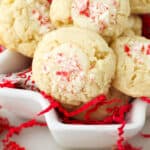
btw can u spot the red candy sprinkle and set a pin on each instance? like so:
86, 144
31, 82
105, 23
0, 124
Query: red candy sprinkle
86, 10
127, 49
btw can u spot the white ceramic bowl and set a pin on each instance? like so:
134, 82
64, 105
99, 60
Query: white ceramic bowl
27, 103
11, 61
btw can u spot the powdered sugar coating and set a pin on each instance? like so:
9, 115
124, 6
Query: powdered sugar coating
68, 72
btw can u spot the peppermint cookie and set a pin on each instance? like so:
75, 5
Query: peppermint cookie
73, 65
133, 66
23, 23
140, 6
102, 112
106, 17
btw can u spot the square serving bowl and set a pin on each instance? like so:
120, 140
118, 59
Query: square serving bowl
27, 104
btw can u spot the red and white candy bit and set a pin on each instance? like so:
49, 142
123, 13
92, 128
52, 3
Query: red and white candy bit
102, 13
1, 49
20, 80
40, 14
50, 1
136, 50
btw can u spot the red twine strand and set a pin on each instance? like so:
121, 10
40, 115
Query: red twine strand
145, 135
128, 146
145, 99
10, 145
4, 124
1, 49
7, 84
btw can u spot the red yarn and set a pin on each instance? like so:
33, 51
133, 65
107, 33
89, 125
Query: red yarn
13, 146
145, 135
1, 49
10, 145
128, 146
118, 115
7, 84
4, 124
145, 99
121, 138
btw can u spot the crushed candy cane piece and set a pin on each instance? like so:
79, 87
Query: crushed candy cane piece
101, 13
137, 49
40, 14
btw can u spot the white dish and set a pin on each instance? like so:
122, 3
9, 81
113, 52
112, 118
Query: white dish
12, 61
27, 103
41, 139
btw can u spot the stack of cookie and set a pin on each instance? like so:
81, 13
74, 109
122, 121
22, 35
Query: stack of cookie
81, 48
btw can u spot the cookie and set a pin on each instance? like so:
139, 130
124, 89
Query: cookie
23, 23
133, 66
133, 27
102, 112
140, 6
73, 65
60, 12
134, 24
105, 17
